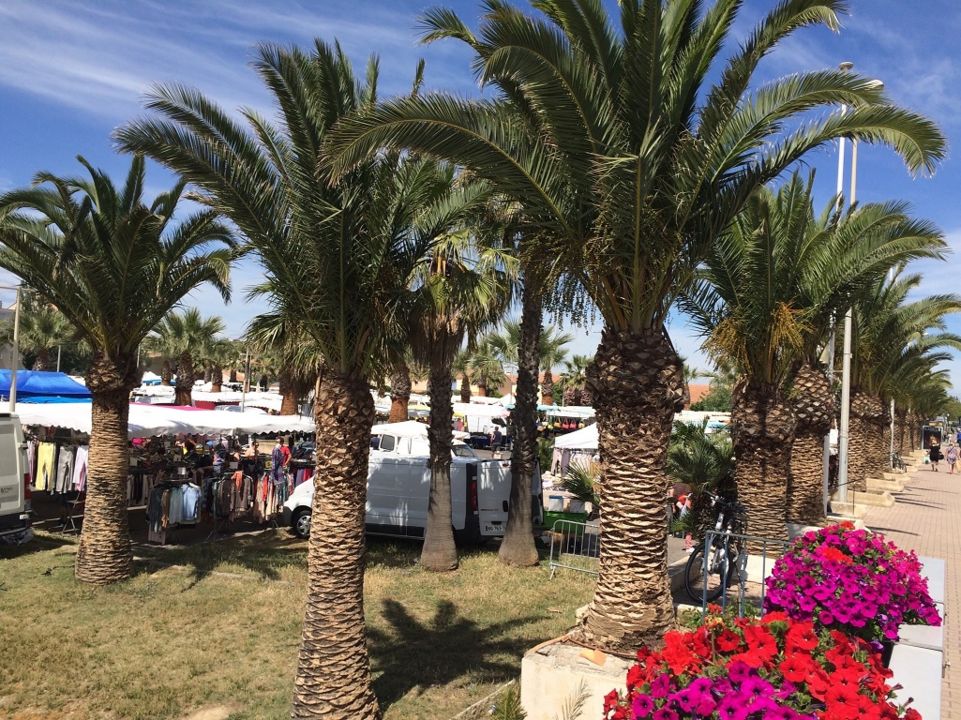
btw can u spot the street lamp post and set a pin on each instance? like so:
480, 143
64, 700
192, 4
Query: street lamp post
16, 355
845, 424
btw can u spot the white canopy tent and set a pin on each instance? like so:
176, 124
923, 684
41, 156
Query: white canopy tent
583, 439
477, 410
152, 420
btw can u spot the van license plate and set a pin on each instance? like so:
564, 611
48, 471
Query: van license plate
491, 529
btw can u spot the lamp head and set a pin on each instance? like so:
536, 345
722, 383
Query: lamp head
846, 66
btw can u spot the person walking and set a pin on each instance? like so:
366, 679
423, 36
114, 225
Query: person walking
952, 457
935, 454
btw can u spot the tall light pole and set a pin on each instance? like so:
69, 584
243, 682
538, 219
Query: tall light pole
16, 354
844, 429
832, 341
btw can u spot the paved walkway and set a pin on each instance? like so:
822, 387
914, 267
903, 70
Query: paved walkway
927, 519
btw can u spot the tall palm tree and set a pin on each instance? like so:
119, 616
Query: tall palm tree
349, 284
114, 266
765, 297
893, 338
460, 288
189, 337
630, 149
286, 350
551, 351
461, 368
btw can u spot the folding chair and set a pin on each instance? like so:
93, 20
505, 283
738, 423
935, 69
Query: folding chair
73, 514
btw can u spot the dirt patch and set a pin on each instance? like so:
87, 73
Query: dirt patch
214, 712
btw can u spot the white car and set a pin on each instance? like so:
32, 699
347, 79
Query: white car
398, 489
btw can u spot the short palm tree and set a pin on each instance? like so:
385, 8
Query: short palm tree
551, 351
43, 329
574, 379
340, 264
486, 366
764, 302
289, 352
114, 266
189, 337
461, 368
630, 149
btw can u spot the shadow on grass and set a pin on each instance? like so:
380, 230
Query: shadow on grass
39, 543
263, 554
435, 653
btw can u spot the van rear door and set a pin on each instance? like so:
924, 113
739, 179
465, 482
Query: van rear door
493, 496
12, 469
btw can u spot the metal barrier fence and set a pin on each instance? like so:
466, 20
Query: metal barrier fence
735, 558
575, 546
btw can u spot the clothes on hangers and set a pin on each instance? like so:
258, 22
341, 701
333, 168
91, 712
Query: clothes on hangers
46, 466
80, 468
64, 482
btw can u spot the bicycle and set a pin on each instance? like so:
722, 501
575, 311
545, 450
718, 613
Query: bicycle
709, 579
897, 463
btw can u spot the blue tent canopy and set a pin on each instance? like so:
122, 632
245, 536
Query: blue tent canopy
42, 386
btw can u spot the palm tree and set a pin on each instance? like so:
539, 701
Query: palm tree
459, 289
461, 367
188, 337
764, 302
350, 286
284, 350
628, 162
400, 389
486, 367
43, 328
217, 356
574, 379
550, 351
114, 266
893, 339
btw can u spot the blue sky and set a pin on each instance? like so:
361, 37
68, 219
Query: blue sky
70, 72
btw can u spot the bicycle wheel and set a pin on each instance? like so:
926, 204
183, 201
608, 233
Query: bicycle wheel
718, 571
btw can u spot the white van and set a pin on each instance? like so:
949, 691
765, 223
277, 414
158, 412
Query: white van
398, 489
14, 483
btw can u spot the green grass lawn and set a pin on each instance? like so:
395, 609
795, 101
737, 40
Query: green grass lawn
218, 624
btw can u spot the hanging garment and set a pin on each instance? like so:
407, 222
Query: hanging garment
65, 469
32, 460
46, 466
175, 514
80, 468
190, 503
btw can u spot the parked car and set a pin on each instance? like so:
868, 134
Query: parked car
398, 489
14, 483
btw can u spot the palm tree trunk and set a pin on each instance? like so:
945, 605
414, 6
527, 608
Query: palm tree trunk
762, 432
166, 373
862, 445
572, 396
333, 670
42, 360
547, 387
464, 388
482, 388
288, 393
105, 555
400, 387
185, 380
638, 382
217, 379
517, 547
439, 552
813, 404
232, 377
900, 426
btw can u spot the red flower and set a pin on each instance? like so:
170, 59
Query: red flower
635, 677
818, 683
912, 714
728, 641
801, 636
796, 668
841, 703
775, 616
678, 654
760, 642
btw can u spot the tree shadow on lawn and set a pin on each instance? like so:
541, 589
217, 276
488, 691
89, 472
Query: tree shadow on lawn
262, 554
435, 653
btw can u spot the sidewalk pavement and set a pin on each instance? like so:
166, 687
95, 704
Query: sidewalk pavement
927, 519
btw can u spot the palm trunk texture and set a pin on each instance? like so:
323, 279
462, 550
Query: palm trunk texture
900, 431
547, 388
105, 555
400, 387
813, 405
762, 432
862, 443
464, 388
439, 553
288, 393
166, 373
333, 670
517, 547
637, 379
217, 379
185, 380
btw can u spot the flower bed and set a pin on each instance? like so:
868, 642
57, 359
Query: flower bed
851, 580
746, 669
